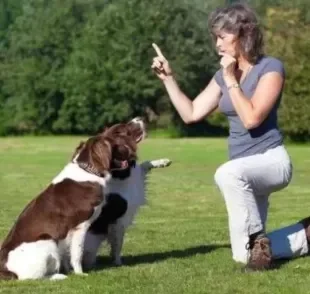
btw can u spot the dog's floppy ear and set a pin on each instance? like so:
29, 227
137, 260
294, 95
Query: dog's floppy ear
96, 154
77, 150
101, 154
104, 129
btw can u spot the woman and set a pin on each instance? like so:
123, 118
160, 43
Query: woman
247, 89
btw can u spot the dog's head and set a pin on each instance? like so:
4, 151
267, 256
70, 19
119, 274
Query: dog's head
102, 154
135, 129
124, 153
114, 150
125, 137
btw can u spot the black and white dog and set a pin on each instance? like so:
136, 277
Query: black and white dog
126, 193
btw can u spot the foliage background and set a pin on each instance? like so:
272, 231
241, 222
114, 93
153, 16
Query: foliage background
71, 67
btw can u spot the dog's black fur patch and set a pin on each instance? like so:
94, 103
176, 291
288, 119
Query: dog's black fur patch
115, 208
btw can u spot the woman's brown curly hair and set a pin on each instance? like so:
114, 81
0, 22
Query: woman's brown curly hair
240, 20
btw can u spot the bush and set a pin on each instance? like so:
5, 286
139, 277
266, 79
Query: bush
74, 66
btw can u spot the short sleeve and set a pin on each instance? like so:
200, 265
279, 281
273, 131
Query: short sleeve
273, 65
219, 78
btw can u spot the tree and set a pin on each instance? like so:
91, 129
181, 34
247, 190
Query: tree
39, 44
108, 76
288, 38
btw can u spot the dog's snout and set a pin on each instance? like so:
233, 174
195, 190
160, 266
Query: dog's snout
138, 119
139, 125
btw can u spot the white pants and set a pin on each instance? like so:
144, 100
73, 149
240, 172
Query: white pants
246, 184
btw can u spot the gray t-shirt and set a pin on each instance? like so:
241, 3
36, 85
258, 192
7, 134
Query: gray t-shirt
243, 142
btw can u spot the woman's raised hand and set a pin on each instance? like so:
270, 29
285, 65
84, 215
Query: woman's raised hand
160, 64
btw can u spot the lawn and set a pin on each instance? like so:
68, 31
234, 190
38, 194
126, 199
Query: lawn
179, 243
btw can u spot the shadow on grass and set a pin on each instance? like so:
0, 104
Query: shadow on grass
104, 262
278, 263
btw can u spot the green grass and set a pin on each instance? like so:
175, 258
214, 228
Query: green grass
179, 243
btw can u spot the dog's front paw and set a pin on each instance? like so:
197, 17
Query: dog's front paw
78, 270
57, 277
161, 162
164, 162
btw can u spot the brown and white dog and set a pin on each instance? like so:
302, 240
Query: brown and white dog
54, 224
126, 192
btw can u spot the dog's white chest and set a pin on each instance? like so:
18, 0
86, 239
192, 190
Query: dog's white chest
74, 172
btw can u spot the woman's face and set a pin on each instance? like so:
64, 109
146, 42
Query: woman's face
226, 43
